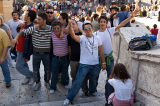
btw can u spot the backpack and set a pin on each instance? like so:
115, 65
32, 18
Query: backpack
152, 37
140, 43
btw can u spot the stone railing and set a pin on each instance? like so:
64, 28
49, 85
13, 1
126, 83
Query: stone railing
142, 65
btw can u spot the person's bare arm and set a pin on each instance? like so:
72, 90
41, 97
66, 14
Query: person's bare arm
2, 59
102, 57
10, 35
72, 33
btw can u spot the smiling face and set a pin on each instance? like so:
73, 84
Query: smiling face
62, 21
103, 23
40, 21
57, 30
50, 14
88, 30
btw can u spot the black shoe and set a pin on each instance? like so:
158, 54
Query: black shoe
8, 84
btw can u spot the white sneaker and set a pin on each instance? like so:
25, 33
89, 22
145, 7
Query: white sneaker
47, 85
66, 102
51, 91
31, 81
25, 81
37, 86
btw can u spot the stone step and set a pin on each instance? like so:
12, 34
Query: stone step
90, 101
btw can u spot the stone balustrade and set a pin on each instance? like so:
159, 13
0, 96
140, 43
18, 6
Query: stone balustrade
144, 66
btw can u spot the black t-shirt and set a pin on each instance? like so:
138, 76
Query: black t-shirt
75, 48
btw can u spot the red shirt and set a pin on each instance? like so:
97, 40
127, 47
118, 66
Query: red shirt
154, 31
20, 44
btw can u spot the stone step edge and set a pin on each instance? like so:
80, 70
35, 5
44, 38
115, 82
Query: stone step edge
79, 102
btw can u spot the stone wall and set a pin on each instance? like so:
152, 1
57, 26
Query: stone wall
6, 8
142, 65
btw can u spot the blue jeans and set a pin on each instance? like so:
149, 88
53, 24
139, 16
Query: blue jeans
22, 66
6, 71
108, 88
92, 71
59, 65
37, 58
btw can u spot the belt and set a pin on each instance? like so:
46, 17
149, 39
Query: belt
60, 57
41, 52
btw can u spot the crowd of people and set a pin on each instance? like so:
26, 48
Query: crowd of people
82, 39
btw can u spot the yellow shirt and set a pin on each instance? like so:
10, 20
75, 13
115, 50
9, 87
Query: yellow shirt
4, 41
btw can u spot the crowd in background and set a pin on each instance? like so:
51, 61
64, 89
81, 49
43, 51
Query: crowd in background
75, 33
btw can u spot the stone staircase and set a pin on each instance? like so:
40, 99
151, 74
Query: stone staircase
90, 101
24, 95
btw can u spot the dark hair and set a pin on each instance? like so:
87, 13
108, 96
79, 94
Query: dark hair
50, 7
32, 15
56, 23
95, 16
64, 16
155, 26
86, 24
42, 15
123, 7
120, 72
102, 17
14, 12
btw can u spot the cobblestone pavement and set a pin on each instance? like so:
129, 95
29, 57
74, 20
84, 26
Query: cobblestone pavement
19, 94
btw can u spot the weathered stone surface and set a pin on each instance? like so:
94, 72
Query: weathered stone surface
142, 65
10, 96
89, 102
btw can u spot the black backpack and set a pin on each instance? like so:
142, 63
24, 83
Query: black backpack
140, 43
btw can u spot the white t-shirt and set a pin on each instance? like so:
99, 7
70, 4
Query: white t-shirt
13, 26
106, 39
123, 91
89, 50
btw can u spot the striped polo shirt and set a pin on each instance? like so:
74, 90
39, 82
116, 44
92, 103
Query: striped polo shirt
41, 39
60, 46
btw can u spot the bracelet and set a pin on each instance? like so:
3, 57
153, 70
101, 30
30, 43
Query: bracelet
104, 63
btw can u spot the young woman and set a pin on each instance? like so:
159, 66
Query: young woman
122, 84
60, 57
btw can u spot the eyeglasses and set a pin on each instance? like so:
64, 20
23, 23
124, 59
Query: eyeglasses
49, 12
56, 28
87, 28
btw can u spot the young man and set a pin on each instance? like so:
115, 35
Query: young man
21, 63
41, 39
74, 52
13, 23
50, 15
4, 44
89, 60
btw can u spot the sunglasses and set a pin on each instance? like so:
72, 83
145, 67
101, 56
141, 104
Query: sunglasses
56, 28
87, 28
49, 12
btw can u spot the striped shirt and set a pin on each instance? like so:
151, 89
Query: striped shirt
60, 46
41, 39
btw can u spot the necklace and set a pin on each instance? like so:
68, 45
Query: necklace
92, 44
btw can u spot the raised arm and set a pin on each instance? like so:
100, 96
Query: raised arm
76, 38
